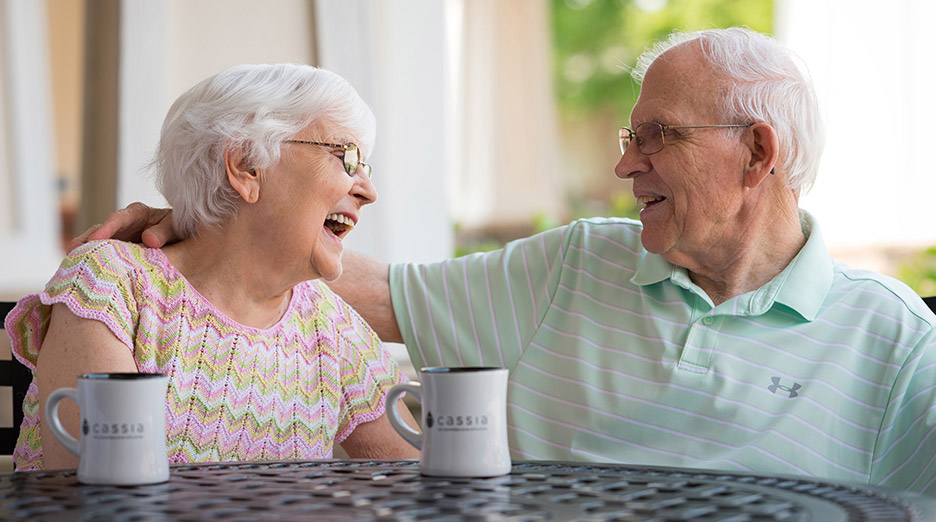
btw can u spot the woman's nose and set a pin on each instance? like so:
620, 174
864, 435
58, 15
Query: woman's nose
363, 189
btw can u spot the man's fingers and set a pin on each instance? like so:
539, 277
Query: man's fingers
108, 229
134, 217
128, 223
83, 238
135, 223
159, 234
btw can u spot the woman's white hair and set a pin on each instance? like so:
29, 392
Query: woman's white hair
763, 83
254, 108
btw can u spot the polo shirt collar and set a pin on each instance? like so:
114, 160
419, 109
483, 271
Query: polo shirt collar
801, 286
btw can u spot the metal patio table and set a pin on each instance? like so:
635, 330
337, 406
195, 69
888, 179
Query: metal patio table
394, 490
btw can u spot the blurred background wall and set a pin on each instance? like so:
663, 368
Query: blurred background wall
496, 118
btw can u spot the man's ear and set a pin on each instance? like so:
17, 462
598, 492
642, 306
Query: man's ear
764, 149
243, 178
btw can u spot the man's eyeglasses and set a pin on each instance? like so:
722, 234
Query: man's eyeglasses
651, 136
351, 157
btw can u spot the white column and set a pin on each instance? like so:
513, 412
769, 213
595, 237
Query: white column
393, 52
144, 96
29, 244
506, 162
169, 45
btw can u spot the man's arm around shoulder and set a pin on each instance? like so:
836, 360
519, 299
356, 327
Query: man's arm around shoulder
365, 285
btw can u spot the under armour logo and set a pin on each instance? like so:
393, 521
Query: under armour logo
777, 386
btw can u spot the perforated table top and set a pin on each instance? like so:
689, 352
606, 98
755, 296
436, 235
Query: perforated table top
392, 490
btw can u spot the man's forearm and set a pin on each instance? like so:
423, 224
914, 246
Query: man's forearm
365, 285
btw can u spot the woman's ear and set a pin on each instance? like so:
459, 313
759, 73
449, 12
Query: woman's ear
242, 177
764, 150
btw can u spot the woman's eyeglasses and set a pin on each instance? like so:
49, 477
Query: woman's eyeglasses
351, 157
650, 135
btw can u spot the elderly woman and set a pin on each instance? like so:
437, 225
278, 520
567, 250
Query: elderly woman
263, 166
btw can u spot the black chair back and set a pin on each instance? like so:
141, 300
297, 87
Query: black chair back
930, 302
14, 381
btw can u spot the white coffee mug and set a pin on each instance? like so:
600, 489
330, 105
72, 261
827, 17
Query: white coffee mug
123, 427
464, 421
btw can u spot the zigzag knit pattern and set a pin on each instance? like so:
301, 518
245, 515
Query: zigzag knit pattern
235, 392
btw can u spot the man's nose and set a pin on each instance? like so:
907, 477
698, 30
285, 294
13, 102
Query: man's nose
632, 163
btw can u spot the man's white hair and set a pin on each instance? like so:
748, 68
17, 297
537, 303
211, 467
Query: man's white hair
762, 82
254, 108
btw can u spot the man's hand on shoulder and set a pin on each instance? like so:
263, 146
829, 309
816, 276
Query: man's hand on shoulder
136, 222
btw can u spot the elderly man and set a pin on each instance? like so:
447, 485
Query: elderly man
716, 332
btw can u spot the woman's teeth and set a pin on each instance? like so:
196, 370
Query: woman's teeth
339, 223
341, 218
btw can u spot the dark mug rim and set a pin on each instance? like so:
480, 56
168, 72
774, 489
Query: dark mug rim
459, 369
126, 376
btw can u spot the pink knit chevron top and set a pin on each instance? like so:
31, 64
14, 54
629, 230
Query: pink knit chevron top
235, 392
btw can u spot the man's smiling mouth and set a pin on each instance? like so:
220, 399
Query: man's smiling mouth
339, 224
646, 201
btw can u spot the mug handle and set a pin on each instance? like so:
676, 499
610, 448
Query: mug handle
412, 436
51, 410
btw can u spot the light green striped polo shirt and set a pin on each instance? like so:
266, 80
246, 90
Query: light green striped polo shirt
616, 356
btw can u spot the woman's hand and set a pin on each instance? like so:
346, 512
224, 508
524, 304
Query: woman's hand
136, 222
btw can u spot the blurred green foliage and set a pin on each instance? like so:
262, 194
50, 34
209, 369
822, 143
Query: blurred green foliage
919, 273
597, 42
463, 249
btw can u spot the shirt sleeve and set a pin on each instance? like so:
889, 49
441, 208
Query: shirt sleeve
481, 309
95, 282
368, 370
905, 453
